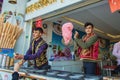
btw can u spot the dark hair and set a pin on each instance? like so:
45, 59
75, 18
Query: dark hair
87, 24
38, 29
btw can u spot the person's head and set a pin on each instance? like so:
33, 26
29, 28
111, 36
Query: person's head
37, 33
88, 27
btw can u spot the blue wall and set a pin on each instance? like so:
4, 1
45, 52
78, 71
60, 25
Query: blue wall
56, 39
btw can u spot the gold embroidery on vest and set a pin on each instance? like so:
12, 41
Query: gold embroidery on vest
42, 59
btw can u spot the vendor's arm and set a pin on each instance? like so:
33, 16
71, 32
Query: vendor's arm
116, 53
75, 46
21, 56
88, 43
37, 54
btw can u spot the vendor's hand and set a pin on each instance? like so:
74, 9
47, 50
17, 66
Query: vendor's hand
76, 35
15, 55
18, 56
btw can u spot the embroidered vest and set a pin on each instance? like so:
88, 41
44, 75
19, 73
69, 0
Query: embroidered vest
90, 53
42, 58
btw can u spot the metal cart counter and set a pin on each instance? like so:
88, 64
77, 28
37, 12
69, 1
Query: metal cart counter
6, 74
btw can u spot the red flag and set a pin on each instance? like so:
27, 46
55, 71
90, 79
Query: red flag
38, 23
114, 5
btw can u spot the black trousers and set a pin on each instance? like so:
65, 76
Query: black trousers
89, 68
117, 70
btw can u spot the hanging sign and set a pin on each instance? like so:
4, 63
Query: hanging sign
38, 23
38, 8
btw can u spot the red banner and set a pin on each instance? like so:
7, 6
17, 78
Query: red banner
114, 5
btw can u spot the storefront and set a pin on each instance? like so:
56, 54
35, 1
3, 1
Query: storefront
53, 30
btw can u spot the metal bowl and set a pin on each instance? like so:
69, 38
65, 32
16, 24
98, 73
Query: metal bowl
76, 76
52, 73
92, 78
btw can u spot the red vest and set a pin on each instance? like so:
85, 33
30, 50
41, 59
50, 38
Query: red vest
90, 53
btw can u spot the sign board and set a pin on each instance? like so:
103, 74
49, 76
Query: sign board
33, 11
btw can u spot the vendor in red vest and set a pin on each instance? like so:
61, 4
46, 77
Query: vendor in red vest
88, 48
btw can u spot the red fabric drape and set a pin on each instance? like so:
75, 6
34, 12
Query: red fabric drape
114, 5
38, 23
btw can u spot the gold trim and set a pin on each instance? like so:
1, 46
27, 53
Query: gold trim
62, 1
116, 40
